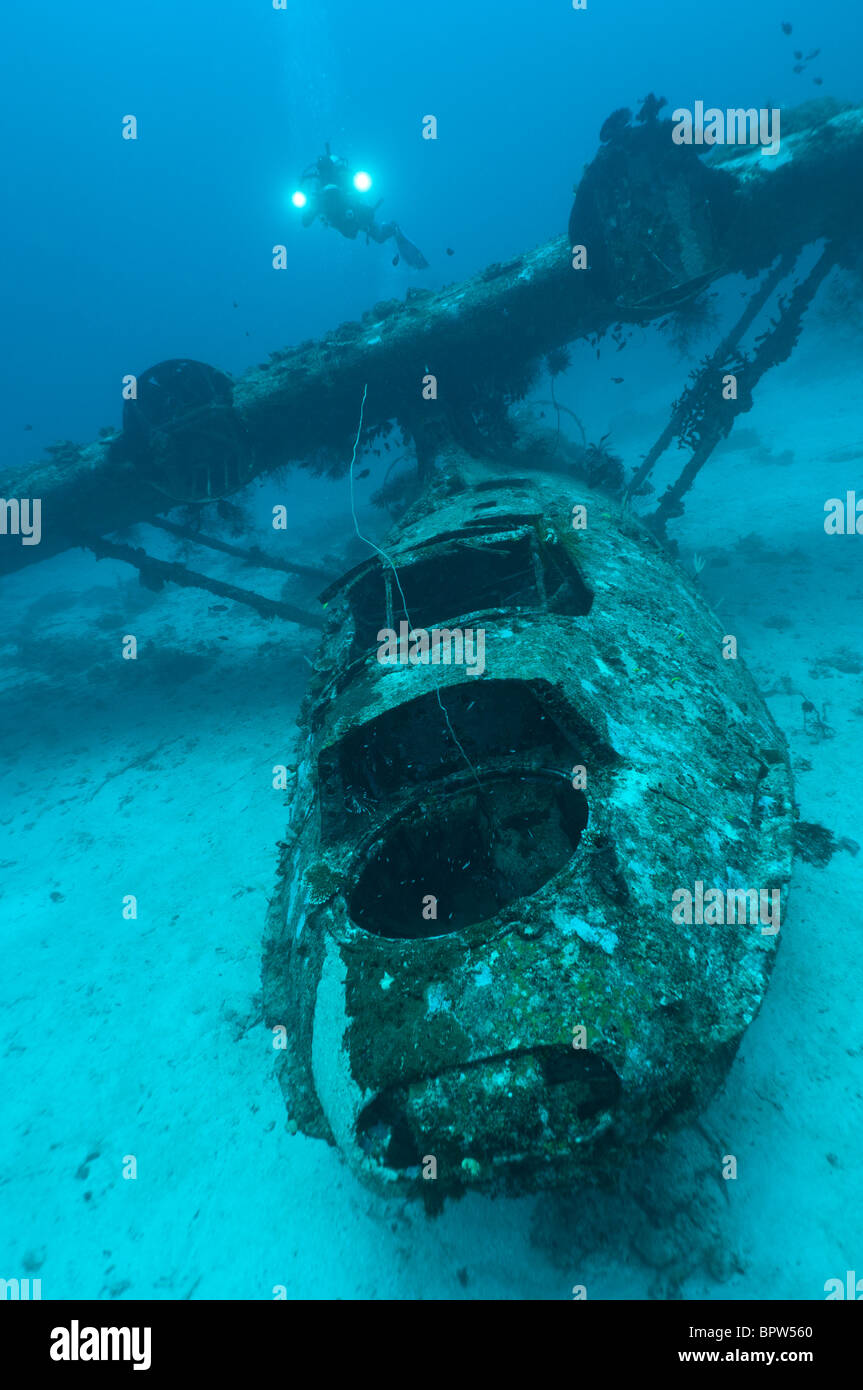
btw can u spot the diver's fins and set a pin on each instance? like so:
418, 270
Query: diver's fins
412, 254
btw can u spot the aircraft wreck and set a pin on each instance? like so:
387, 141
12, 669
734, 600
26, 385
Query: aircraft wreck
471, 953
473, 949
471, 945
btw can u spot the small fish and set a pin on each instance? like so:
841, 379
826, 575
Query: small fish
395, 260
236, 305
622, 345
813, 54
218, 608
786, 27
247, 332
617, 380
450, 251
28, 427
798, 54
798, 67
365, 473
818, 81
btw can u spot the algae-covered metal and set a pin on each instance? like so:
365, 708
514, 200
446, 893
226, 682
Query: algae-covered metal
472, 946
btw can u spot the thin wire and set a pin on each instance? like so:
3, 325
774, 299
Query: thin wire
392, 566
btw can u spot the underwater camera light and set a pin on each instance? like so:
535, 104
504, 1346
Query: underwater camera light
362, 182
299, 199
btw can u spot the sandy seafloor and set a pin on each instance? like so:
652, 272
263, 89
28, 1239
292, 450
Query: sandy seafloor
144, 1037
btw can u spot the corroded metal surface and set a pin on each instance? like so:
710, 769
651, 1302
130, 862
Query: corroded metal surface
182, 434
412, 1037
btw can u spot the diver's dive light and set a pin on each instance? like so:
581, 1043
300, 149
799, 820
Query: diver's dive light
362, 182
299, 199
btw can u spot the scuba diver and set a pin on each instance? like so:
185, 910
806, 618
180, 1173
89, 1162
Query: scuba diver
340, 200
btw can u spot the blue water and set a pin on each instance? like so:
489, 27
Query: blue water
144, 1037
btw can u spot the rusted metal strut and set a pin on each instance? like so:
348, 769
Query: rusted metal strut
718, 415
156, 573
